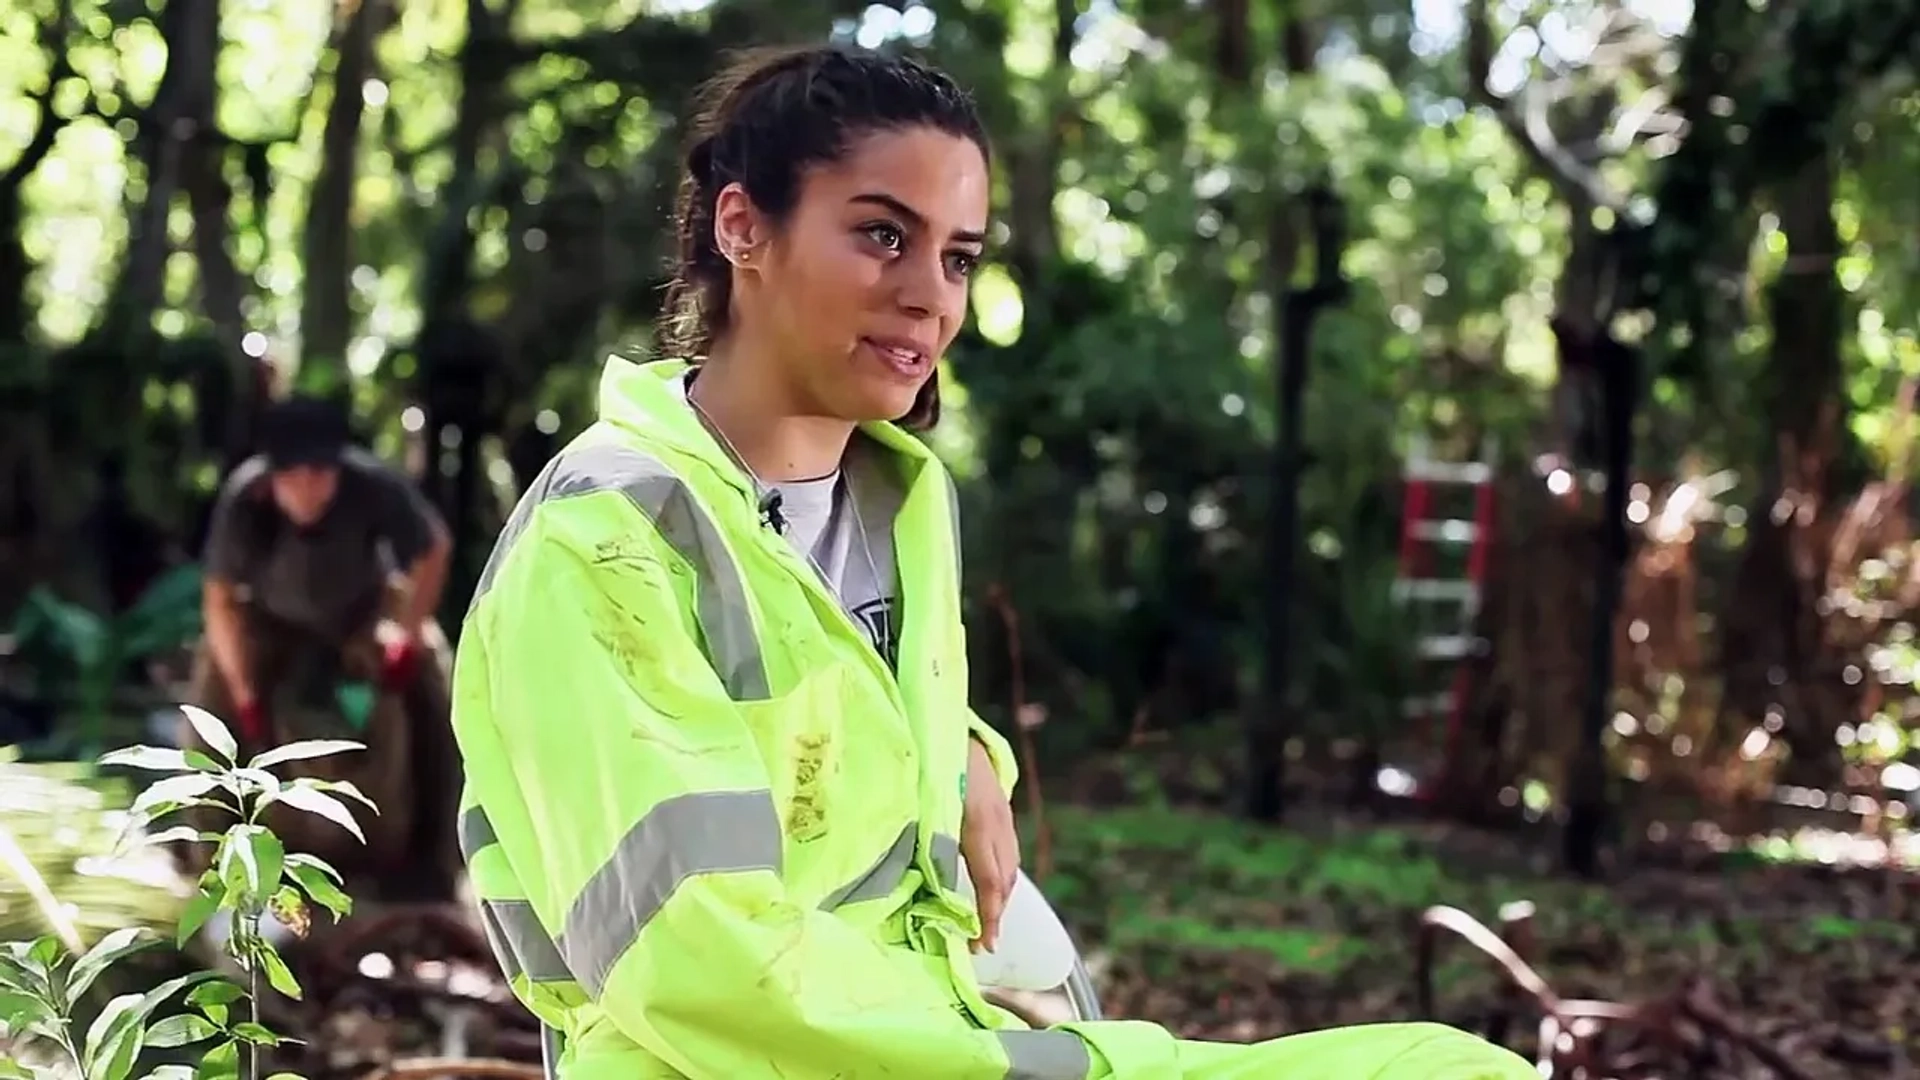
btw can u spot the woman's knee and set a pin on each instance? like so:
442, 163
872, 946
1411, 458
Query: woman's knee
1430, 1051
1386, 1051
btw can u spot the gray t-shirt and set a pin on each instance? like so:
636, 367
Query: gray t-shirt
843, 522
330, 578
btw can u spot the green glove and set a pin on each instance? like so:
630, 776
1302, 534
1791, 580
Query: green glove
356, 703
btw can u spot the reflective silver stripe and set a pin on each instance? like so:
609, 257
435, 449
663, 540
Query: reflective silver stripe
475, 832
946, 859
520, 943
885, 874
705, 832
881, 879
726, 620
1046, 1055
552, 1045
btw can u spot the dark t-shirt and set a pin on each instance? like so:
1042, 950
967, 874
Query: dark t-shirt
328, 578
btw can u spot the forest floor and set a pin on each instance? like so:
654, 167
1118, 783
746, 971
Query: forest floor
1224, 930
1227, 931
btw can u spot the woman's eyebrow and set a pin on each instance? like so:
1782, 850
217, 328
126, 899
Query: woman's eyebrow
914, 217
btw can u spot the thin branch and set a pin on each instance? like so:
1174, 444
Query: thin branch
1526, 120
1023, 730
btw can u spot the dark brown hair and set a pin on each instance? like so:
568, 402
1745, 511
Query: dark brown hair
762, 123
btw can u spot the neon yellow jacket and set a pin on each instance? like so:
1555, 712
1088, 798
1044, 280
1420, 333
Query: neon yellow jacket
713, 835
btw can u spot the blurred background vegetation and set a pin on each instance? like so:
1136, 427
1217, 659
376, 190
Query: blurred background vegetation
1656, 263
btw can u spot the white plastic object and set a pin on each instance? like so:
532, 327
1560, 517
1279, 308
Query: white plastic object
1034, 951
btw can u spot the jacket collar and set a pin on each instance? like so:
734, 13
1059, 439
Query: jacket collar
640, 397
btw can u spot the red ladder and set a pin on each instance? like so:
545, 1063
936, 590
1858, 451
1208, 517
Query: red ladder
1420, 532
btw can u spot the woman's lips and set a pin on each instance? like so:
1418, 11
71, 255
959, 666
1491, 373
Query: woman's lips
903, 357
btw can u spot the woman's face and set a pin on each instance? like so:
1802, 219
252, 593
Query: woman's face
861, 290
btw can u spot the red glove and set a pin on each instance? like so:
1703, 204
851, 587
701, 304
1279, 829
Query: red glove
399, 663
253, 723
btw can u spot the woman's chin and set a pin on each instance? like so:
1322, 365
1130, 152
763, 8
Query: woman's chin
870, 403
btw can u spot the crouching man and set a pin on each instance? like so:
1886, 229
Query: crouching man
323, 568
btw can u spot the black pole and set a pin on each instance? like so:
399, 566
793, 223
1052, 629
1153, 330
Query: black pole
1269, 730
1588, 803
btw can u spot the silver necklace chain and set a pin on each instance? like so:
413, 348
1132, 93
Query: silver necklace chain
760, 491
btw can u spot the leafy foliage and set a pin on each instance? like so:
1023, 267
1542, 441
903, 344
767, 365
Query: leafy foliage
80, 655
251, 874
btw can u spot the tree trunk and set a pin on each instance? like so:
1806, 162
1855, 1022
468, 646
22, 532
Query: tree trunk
1775, 641
326, 315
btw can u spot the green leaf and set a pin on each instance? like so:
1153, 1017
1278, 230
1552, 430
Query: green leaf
259, 781
121, 1015
286, 1076
13, 1070
177, 834
201, 760
304, 750
171, 600
170, 1072
181, 1030
321, 889
164, 795
278, 976
103, 954
212, 998
81, 633
117, 1057
157, 996
154, 758
217, 992
212, 732
198, 911
257, 1034
221, 1061
301, 858
343, 787
306, 798
239, 871
19, 1012
14, 970
44, 953
270, 855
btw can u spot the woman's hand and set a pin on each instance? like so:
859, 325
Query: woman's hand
989, 843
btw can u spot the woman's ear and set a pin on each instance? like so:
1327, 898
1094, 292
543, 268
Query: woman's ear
738, 229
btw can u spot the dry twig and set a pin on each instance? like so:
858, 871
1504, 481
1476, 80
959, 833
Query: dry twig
1690, 1024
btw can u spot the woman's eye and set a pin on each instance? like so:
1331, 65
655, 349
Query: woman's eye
963, 263
887, 236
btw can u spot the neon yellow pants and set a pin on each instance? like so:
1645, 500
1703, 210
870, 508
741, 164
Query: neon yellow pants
1366, 1052
1135, 1050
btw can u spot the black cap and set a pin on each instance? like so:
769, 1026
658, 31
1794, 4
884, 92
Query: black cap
304, 431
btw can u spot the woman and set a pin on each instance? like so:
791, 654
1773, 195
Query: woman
712, 696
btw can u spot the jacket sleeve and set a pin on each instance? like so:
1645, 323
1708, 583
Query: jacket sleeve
630, 798
1005, 765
